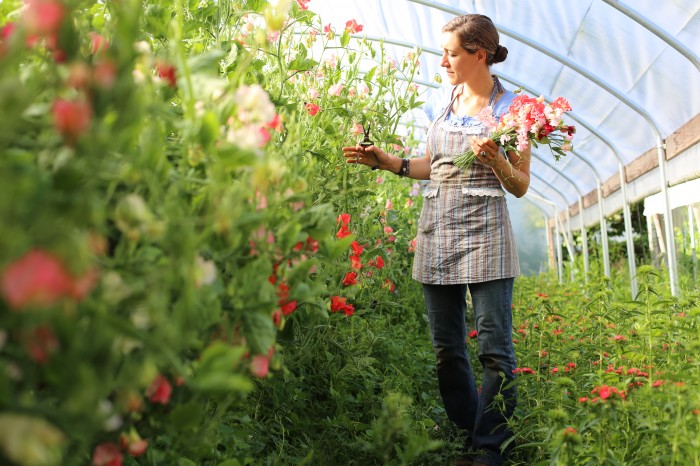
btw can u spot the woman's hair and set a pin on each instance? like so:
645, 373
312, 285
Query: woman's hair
478, 32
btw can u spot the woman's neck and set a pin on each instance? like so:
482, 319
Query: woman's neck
472, 97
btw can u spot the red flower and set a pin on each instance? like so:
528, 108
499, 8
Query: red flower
327, 28
40, 343
277, 317
356, 248
311, 244
350, 279
344, 219
288, 307
379, 263
107, 454
355, 262
523, 370
71, 118
352, 27
313, 109
339, 304
473, 334
167, 72
389, 284
303, 4
160, 390
343, 232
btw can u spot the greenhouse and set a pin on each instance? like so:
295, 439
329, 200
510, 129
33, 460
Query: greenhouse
283, 232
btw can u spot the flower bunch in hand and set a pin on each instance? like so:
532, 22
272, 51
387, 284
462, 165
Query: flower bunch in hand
528, 121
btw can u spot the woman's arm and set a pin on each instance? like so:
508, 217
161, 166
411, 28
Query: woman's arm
513, 172
373, 156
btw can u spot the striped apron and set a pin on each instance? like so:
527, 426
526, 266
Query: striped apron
464, 232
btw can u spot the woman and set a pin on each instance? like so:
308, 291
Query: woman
465, 240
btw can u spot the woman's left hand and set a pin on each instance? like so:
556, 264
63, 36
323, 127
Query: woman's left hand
486, 151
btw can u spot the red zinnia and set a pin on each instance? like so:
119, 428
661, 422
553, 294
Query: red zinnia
350, 279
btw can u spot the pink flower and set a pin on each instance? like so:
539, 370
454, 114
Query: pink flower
40, 279
473, 334
313, 109
71, 118
336, 89
303, 4
99, 43
43, 17
133, 443
327, 28
260, 366
107, 454
356, 129
160, 390
352, 27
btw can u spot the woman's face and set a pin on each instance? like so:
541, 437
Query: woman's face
458, 63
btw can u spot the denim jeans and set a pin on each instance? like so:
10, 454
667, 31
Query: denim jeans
483, 414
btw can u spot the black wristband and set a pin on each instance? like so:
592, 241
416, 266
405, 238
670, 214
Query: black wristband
405, 167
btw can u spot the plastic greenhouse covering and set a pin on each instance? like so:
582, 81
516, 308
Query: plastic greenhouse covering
630, 71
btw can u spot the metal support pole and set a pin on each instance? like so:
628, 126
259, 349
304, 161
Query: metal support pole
631, 260
584, 239
691, 223
603, 231
668, 220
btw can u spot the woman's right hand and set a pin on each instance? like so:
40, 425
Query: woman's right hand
372, 156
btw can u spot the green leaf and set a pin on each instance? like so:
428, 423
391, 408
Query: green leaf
187, 415
259, 330
206, 62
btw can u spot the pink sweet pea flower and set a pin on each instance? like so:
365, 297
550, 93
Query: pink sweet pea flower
336, 90
352, 27
43, 17
260, 365
36, 279
303, 4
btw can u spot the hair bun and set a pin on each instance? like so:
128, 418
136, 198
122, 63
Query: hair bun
500, 55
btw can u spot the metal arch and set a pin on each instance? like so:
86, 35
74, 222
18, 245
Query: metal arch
601, 215
584, 234
557, 237
668, 221
546, 224
656, 30
567, 234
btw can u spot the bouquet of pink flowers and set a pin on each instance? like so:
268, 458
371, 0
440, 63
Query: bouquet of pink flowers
528, 121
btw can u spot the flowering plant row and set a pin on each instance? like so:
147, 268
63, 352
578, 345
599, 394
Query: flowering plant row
169, 186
